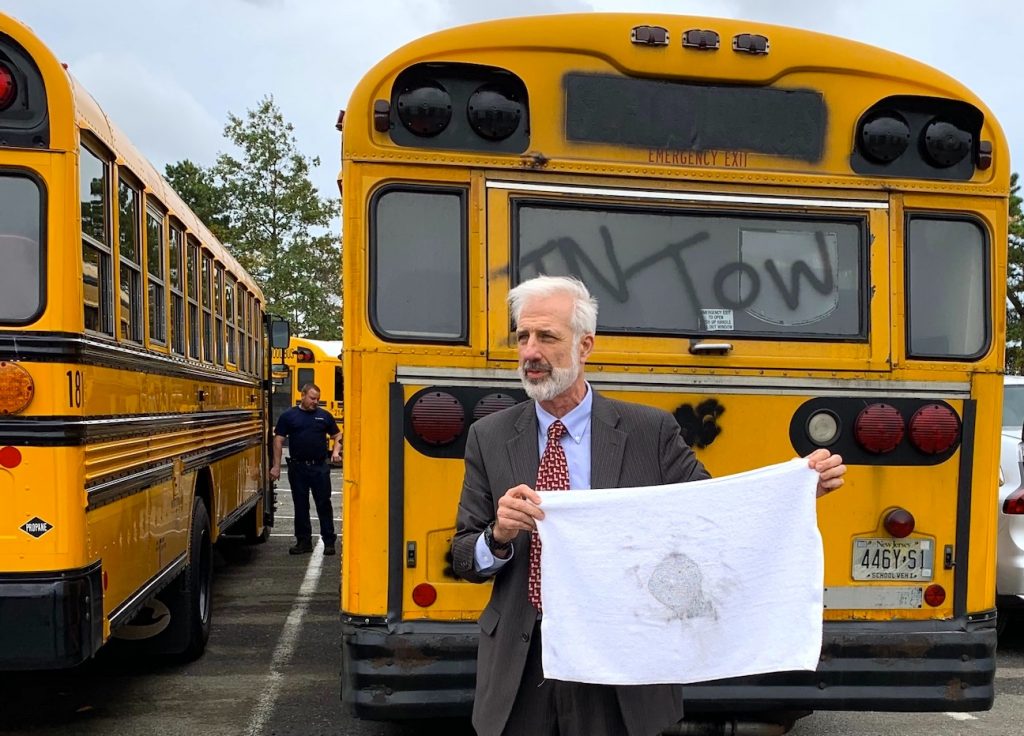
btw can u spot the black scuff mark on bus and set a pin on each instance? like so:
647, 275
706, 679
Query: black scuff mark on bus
699, 425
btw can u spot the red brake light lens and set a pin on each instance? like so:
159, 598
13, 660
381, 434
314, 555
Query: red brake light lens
879, 428
934, 429
424, 595
8, 87
438, 418
899, 523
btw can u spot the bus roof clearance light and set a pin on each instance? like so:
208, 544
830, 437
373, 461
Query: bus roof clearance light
879, 428
934, 429
16, 388
425, 110
8, 87
494, 112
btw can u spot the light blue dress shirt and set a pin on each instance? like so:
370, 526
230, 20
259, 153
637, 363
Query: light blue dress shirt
576, 443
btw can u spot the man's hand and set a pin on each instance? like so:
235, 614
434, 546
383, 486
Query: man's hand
518, 510
275, 472
830, 470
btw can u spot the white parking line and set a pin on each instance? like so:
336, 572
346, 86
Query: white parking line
286, 644
962, 716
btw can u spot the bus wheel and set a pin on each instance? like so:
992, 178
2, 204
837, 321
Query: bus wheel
190, 599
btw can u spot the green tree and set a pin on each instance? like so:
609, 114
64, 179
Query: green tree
197, 187
275, 223
1015, 283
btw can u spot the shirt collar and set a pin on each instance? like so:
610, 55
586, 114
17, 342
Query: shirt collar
576, 421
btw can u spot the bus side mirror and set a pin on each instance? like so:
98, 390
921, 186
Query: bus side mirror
280, 333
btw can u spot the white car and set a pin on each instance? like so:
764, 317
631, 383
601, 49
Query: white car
1010, 549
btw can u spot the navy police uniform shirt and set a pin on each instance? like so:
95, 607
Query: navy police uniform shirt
307, 433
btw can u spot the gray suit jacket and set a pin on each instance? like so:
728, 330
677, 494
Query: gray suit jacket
631, 445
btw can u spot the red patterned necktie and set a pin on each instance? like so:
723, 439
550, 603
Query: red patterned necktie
552, 475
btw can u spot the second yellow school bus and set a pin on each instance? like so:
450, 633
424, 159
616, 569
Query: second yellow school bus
797, 241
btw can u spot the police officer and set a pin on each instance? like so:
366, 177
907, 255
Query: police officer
307, 426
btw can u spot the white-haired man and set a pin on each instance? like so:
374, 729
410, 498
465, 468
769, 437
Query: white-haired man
602, 443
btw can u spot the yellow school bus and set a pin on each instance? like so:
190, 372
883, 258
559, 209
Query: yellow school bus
796, 241
311, 361
133, 415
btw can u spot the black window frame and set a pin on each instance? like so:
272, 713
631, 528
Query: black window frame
986, 257
104, 271
462, 192
136, 325
193, 284
862, 221
156, 283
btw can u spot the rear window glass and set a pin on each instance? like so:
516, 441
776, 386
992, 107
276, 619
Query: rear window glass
21, 250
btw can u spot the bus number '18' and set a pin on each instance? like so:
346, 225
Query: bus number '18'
74, 389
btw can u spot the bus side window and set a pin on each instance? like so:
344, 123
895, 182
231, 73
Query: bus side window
97, 280
131, 262
304, 376
339, 385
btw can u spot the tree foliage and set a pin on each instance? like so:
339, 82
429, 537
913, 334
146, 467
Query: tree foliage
262, 204
1015, 283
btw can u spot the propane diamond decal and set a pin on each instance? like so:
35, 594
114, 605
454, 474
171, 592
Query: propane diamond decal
36, 527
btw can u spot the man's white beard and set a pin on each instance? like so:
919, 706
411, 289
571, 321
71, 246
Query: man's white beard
556, 382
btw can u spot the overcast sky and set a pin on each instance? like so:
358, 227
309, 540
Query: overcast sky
169, 72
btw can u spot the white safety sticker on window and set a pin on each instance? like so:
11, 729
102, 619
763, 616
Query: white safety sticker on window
717, 319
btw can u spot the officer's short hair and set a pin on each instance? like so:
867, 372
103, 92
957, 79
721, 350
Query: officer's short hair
306, 387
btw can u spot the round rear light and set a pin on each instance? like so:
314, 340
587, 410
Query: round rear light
934, 429
934, 595
945, 144
492, 403
10, 457
438, 418
823, 428
8, 87
425, 110
494, 112
884, 136
424, 595
16, 388
899, 523
879, 428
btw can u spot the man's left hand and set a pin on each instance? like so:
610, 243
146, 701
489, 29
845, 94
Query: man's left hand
830, 470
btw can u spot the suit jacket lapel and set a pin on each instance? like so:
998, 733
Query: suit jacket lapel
522, 447
607, 444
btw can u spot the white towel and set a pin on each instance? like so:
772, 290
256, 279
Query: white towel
683, 583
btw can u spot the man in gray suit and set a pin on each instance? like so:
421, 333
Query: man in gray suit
606, 444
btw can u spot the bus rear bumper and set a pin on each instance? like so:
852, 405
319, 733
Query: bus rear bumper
50, 620
427, 669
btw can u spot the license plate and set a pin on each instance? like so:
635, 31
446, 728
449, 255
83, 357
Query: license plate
892, 559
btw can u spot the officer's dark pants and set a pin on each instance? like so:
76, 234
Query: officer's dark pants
316, 478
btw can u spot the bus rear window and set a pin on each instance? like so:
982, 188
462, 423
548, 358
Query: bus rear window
683, 272
418, 263
946, 258
21, 250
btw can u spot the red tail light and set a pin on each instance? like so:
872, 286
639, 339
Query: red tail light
10, 457
424, 595
879, 428
1014, 503
8, 87
438, 418
934, 429
899, 523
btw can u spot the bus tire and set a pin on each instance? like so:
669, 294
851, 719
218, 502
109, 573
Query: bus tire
190, 599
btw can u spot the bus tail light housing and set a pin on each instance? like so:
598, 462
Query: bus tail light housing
438, 418
935, 595
879, 428
934, 429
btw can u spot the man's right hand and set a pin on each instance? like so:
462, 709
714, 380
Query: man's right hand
518, 510
275, 472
